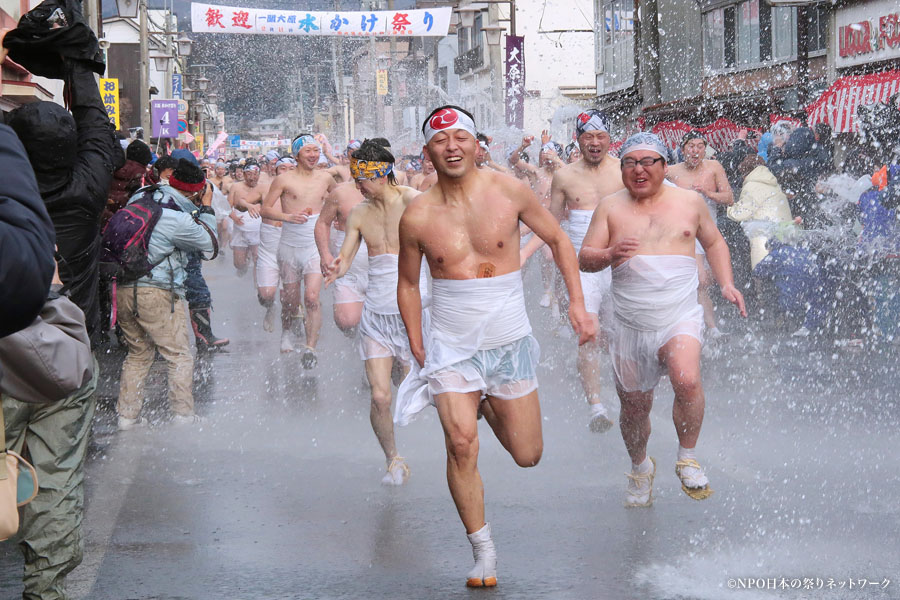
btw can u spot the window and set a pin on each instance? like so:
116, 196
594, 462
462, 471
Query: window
442, 74
748, 39
617, 45
753, 33
818, 28
714, 40
476, 30
784, 33
462, 38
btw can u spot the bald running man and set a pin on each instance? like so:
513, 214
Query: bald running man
647, 232
479, 344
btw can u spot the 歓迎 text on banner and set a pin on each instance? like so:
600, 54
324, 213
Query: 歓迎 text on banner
213, 18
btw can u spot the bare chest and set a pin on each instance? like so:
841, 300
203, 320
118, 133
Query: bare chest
302, 194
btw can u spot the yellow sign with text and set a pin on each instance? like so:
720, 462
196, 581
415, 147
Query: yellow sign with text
109, 92
381, 82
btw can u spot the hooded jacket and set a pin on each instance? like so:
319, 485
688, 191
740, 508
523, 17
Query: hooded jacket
26, 239
761, 199
72, 160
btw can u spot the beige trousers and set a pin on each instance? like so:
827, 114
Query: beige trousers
154, 326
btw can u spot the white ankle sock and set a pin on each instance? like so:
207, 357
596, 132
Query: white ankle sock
686, 453
485, 569
644, 467
598, 409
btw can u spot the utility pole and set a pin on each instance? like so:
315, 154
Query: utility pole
145, 73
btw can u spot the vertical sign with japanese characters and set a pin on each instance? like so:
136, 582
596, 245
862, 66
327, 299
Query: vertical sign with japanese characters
177, 88
109, 93
381, 82
515, 81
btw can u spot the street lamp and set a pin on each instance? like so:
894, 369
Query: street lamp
128, 9
212, 97
493, 33
184, 45
467, 15
187, 93
161, 60
202, 83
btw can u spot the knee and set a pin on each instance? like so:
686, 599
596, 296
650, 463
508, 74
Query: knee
311, 301
381, 399
686, 384
463, 446
266, 299
530, 457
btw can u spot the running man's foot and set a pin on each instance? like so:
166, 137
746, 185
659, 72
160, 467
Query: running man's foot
639, 492
269, 321
802, 332
484, 573
693, 481
308, 358
179, 420
600, 420
287, 344
397, 472
545, 300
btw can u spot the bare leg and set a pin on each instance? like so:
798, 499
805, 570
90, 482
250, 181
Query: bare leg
517, 424
241, 257
290, 304
634, 422
378, 371
682, 357
703, 297
266, 297
459, 418
346, 317
313, 321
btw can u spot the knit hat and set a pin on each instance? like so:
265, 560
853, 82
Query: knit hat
187, 177
139, 152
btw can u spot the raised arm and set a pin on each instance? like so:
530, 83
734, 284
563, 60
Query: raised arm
409, 297
718, 256
546, 227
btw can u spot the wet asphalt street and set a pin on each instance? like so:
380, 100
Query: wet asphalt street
277, 493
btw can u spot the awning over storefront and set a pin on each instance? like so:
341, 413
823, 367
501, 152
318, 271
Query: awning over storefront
837, 105
719, 134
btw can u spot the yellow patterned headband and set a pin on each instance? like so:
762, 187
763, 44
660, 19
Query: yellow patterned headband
369, 169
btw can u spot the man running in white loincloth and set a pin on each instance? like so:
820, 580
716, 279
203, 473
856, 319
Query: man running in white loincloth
382, 336
646, 232
302, 193
479, 342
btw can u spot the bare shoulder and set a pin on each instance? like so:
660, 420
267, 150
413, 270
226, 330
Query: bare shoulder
567, 172
408, 194
714, 165
614, 201
512, 186
685, 197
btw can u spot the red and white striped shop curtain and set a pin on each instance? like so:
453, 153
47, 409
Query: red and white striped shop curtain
719, 134
837, 105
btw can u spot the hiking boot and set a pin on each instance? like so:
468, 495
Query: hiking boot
206, 339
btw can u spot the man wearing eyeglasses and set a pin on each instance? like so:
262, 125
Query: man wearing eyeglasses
646, 232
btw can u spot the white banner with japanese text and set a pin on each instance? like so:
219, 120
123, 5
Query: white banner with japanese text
213, 18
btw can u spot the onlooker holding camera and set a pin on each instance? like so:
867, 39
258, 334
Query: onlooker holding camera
151, 311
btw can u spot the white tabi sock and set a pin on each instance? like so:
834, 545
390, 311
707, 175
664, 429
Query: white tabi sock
645, 467
484, 573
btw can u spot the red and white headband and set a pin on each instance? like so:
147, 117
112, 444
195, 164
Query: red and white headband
447, 119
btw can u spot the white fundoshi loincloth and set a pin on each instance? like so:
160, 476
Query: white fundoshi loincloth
298, 254
381, 330
479, 339
595, 286
352, 286
247, 234
654, 300
267, 256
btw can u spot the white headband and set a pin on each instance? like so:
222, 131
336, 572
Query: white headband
447, 119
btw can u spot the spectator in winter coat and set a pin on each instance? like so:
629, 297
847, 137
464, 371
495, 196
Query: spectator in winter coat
71, 154
26, 238
151, 311
761, 206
